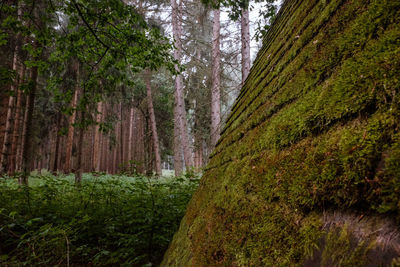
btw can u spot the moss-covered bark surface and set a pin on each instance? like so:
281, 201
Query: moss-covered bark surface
315, 128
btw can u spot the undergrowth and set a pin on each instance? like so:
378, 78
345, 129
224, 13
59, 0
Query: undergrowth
108, 220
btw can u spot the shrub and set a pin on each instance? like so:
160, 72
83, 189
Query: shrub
107, 220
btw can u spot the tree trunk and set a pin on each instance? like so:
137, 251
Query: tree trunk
245, 37
54, 168
215, 88
71, 129
16, 135
96, 145
78, 171
153, 125
121, 137
21, 151
130, 138
27, 155
180, 131
115, 153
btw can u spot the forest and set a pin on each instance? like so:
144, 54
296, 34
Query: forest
200, 133
109, 111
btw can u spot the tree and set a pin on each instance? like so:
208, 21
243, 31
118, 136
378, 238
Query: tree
71, 129
153, 125
8, 132
180, 132
245, 40
215, 89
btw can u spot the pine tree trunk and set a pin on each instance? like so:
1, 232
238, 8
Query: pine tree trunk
215, 88
121, 137
130, 138
21, 150
71, 131
54, 168
115, 148
180, 131
17, 123
96, 145
27, 155
78, 171
156, 146
245, 37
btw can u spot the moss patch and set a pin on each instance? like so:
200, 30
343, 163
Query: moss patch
315, 127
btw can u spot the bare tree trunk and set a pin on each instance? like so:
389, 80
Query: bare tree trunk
178, 164
18, 111
27, 155
215, 88
115, 159
131, 118
180, 131
57, 145
121, 137
96, 145
245, 37
78, 172
153, 124
71, 129
103, 144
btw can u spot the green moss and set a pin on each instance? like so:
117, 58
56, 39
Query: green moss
316, 126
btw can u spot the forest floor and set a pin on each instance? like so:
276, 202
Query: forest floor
107, 220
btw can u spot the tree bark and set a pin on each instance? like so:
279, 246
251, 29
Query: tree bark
156, 146
71, 128
245, 37
215, 88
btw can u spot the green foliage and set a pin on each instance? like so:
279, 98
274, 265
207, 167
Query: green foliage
108, 220
91, 46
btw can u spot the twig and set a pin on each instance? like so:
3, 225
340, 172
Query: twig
87, 24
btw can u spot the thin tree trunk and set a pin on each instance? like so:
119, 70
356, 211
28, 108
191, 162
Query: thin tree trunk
215, 88
121, 137
115, 159
96, 145
78, 172
130, 138
71, 130
18, 110
245, 37
57, 145
20, 147
156, 146
27, 155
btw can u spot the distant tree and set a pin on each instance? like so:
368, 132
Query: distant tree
216, 79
